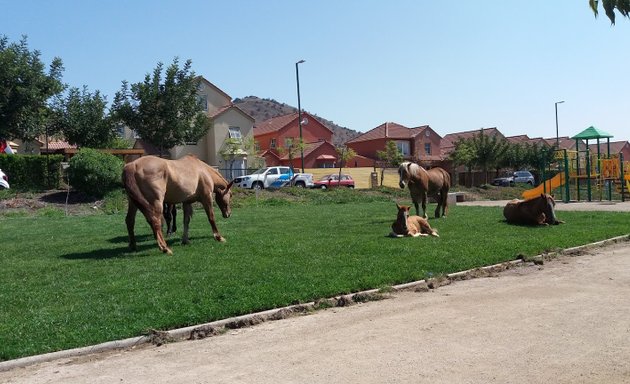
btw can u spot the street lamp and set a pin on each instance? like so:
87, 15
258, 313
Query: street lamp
301, 144
557, 137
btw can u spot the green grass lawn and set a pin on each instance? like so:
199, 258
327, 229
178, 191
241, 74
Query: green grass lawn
70, 281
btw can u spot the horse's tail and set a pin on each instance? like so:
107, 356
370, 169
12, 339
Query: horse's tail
131, 187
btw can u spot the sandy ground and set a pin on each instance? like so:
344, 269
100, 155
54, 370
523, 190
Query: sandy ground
567, 321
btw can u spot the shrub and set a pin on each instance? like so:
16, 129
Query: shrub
32, 172
95, 173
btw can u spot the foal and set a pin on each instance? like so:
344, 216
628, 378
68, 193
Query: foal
413, 226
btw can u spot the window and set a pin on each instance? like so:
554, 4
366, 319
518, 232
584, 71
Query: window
272, 143
256, 146
273, 171
235, 133
288, 142
403, 147
202, 100
427, 148
285, 170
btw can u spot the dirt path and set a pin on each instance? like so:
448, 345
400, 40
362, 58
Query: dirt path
567, 321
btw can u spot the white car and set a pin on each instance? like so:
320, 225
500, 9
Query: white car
274, 177
4, 180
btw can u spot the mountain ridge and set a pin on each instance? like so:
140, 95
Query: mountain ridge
265, 109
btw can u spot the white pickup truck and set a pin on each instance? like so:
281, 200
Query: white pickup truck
274, 177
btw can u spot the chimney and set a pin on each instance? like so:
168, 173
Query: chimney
386, 130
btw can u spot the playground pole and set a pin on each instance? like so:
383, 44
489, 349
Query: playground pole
621, 177
566, 177
588, 173
577, 167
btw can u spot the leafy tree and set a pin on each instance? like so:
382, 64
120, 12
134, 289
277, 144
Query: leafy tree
84, 120
163, 111
488, 150
25, 89
463, 154
622, 6
233, 147
390, 157
345, 154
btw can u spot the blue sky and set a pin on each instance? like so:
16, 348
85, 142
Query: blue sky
457, 65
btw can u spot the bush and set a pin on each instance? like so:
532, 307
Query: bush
32, 172
95, 173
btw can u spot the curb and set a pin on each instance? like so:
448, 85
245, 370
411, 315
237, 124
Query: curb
213, 328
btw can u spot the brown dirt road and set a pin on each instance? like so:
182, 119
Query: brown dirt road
567, 321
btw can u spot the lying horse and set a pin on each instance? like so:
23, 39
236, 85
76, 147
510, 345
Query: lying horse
434, 182
413, 226
152, 181
535, 211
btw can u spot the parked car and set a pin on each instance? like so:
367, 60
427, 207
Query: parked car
274, 177
516, 177
332, 180
4, 180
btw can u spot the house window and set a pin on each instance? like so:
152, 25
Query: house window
202, 100
235, 133
256, 146
272, 143
403, 147
427, 148
288, 142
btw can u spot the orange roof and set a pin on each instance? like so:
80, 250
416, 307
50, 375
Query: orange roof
615, 147
274, 124
448, 142
391, 131
59, 144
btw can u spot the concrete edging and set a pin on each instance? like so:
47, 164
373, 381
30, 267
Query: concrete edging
212, 328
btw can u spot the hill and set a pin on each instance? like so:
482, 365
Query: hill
264, 109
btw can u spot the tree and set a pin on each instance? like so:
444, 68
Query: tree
463, 154
233, 148
622, 6
488, 150
345, 154
84, 120
25, 89
390, 157
164, 112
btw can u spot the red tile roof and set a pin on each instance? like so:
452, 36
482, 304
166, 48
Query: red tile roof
448, 142
615, 147
391, 131
58, 144
274, 124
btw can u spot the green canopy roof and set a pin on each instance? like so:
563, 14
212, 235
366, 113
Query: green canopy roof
592, 133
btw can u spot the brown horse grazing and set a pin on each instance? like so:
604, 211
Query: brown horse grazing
152, 181
413, 226
434, 182
535, 211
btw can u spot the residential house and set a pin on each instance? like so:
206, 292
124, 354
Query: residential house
228, 122
449, 141
616, 148
420, 144
277, 139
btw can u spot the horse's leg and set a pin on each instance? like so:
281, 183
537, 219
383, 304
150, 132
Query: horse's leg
131, 222
423, 196
438, 198
187, 208
207, 205
174, 217
168, 217
154, 218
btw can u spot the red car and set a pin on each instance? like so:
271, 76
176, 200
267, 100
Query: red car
332, 180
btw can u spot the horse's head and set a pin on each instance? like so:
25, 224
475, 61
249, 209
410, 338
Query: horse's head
403, 215
548, 208
223, 197
404, 170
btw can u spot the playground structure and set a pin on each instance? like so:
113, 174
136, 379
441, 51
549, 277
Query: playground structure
579, 172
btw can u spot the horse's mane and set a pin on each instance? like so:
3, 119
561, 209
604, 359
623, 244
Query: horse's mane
409, 168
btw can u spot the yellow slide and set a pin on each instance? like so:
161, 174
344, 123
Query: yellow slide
549, 185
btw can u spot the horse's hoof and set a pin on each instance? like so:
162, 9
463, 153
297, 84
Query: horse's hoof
185, 242
168, 251
220, 239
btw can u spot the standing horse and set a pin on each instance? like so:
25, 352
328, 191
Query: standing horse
538, 210
152, 181
413, 226
434, 182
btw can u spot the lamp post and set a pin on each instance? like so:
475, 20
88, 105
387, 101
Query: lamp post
297, 79
557, 137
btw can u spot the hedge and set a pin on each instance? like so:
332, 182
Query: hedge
32, 172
